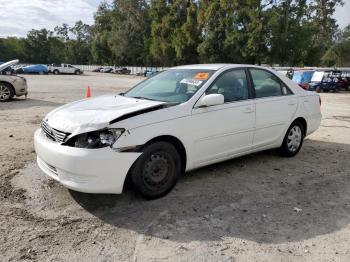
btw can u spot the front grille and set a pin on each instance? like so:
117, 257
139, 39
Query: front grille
54, 134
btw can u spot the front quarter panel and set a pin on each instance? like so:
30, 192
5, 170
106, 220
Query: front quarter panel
179, 128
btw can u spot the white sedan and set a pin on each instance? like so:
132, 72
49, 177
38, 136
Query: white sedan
181, 119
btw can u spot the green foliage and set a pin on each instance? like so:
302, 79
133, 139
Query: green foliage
339, 53
171, 32
64, 45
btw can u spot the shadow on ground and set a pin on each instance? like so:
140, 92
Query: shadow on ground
260, 197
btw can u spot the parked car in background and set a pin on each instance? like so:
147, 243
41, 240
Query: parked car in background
331, 81
339, 77
33, 69
345, 75
316, 80
122, 71
98, 69
8, 71
150, 72
181, 119
303, 78
106, 70
11, 85
64, 69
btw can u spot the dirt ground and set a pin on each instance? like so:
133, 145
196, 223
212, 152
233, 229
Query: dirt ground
255, 208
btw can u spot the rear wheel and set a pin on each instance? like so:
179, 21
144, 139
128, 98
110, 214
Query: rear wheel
156, 171
6, 92
56, 72
77, 72
293, 140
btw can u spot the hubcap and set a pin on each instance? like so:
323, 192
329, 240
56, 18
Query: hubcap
294, 138
156, 170
4, 92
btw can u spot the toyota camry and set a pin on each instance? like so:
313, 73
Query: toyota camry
178, 120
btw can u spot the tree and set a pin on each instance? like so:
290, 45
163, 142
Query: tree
324, 28
185, 38
100, 47
171, 32
130, 30
339, 53
163, 23
38, 44
12, 48
75, 43
214, 23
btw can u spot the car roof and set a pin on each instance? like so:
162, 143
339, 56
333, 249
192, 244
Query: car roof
207, 66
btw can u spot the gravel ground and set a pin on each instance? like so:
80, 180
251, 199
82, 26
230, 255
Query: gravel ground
255, 208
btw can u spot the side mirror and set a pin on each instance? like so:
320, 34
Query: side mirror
211, 100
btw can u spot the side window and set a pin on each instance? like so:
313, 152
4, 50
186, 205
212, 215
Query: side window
232, 85
266, 84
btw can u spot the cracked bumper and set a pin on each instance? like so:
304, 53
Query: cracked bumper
85, 170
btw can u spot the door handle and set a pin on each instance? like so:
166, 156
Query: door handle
291, 103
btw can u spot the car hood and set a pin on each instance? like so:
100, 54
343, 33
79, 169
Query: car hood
8, 64
96, 113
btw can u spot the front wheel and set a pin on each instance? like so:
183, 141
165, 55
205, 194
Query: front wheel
156, 171
77, 72
56, 72
293, 140
6, 92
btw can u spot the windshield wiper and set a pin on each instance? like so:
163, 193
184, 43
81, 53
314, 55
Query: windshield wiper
145, 98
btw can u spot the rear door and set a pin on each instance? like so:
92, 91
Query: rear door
275, 106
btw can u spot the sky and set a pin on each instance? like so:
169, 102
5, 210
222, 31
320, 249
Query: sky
342, 14
17, 17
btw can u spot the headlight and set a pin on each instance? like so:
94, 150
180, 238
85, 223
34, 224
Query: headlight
96, 139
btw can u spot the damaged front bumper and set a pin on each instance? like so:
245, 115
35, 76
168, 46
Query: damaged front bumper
86, 170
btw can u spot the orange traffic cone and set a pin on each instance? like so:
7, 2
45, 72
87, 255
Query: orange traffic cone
88, 92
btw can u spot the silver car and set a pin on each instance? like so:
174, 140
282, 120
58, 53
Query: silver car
11, 85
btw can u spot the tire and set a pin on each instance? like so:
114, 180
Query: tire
293, 140
56, 72
6, 92
156, 171
77, 72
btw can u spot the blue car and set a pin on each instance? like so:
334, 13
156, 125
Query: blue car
303, 78
34, 69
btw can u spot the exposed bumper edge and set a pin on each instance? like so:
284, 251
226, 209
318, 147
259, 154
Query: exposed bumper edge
85, 170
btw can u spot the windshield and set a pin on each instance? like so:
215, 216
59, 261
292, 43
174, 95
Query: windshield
174, 85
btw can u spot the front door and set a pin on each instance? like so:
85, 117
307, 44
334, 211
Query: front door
225, 130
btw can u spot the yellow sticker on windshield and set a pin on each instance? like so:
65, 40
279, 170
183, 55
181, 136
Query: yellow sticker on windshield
201, 76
